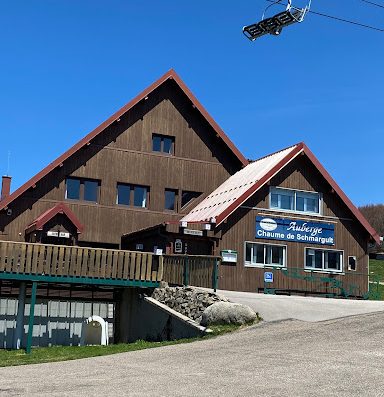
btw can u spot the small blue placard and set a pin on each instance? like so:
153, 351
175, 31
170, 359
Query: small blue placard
268, 277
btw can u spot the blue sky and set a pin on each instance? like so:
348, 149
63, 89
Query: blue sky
66, 66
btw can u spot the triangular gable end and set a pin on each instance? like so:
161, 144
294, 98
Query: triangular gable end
232, 204
171, 74
46, 216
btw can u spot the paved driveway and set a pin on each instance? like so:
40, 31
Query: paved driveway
343, 357
277, 307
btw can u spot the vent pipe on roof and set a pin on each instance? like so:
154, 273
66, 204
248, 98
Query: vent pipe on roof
5, 187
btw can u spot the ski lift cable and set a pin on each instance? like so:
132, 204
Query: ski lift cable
374, 4
341, 19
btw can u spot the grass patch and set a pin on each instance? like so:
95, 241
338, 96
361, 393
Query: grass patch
376, 268
64, 353
376, 273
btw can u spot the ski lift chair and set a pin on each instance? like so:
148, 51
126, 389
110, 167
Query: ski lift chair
275, 24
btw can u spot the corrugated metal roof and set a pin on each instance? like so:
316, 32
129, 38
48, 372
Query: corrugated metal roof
235, 187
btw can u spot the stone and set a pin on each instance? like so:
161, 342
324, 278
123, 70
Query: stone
227, 313
163, 284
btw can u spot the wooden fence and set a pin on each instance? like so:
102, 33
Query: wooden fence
199, 271
59, 260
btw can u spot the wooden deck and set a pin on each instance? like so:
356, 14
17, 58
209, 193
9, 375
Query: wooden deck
58, 263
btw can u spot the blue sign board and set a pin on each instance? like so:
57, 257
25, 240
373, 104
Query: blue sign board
268, 277
295, 230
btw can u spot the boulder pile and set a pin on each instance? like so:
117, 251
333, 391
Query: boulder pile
189, 301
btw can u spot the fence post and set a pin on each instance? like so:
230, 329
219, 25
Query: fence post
186, 271
215, 275
31, 317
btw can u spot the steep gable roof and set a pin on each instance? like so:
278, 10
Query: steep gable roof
46, 216
170, 75
229, 196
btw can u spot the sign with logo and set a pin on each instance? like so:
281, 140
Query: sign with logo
295, 230
268, 277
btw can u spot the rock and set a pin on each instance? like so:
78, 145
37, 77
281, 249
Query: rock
190, 301
163, 284
227, 313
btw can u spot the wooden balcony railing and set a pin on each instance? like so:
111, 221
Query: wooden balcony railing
196, 270
64, 261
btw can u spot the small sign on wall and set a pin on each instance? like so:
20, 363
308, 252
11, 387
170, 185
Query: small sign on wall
229, 256
157, 251
192, 232
64, 234
139, 247
51, 233
268, 277
178, 248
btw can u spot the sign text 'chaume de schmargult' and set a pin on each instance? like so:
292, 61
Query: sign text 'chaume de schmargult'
295, 230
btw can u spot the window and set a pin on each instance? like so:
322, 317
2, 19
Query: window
295, 200
73, 189
140, 196
82, 189
187, 197
352, 263
170, 200
134, 195
265, 255
327, 260
91, 189
123, 194
163, 143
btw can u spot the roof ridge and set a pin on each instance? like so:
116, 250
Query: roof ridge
278, 151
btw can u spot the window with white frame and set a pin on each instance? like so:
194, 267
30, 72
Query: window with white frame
326, 260
295, 200
257, 254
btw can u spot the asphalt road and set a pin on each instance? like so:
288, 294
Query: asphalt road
343, 357
277, 307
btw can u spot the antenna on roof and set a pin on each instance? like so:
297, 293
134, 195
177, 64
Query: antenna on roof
275, 24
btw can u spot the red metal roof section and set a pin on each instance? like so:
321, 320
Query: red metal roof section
171, 74
46, 216
261, 182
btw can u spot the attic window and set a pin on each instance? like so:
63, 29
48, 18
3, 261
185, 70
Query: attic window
163, 144
295, 200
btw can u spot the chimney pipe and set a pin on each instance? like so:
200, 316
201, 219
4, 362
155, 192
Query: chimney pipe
5, 187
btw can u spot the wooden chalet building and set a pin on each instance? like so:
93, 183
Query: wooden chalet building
160, 176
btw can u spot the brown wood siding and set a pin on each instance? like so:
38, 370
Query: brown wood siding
240, 227
123, 153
